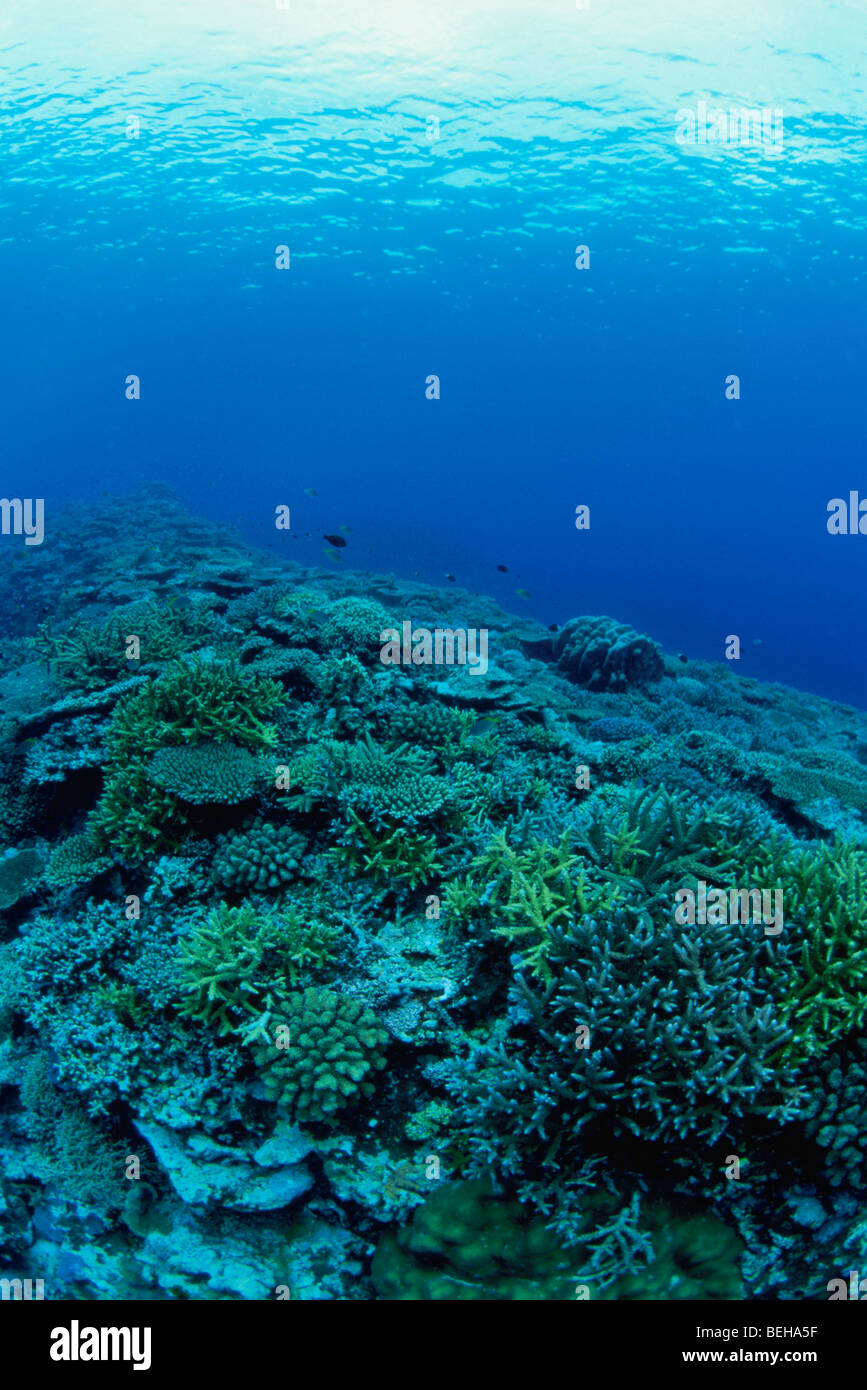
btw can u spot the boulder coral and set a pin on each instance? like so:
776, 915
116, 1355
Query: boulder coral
606, 655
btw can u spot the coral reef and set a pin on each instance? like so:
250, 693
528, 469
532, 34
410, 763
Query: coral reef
353, 958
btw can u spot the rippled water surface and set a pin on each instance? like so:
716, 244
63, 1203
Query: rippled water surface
432, 169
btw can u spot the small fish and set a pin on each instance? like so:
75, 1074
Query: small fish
486, 724
346, 529
502, 569
757, 641
332, 554
449, 577
553, 627
334, 540
311, 492
523, 593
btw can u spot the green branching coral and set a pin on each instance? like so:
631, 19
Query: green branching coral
86, 656
209, 772
239, 963
646, 842
822, 981
264, 858
634, 851
326, 1045
197, 701
472, 791
391, 856
83, 656
528, 893
122, 999
137, 817
193, 703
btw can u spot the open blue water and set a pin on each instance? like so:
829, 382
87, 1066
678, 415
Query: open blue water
155, 155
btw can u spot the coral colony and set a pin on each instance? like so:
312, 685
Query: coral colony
363, 941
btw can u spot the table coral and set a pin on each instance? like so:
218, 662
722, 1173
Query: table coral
209, 772
77, 859
19, 872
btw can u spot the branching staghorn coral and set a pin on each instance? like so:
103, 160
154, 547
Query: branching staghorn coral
821, 981
657, 1030
193, 703
526, 893
239, 964
634, 850
390, 855
89, 656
